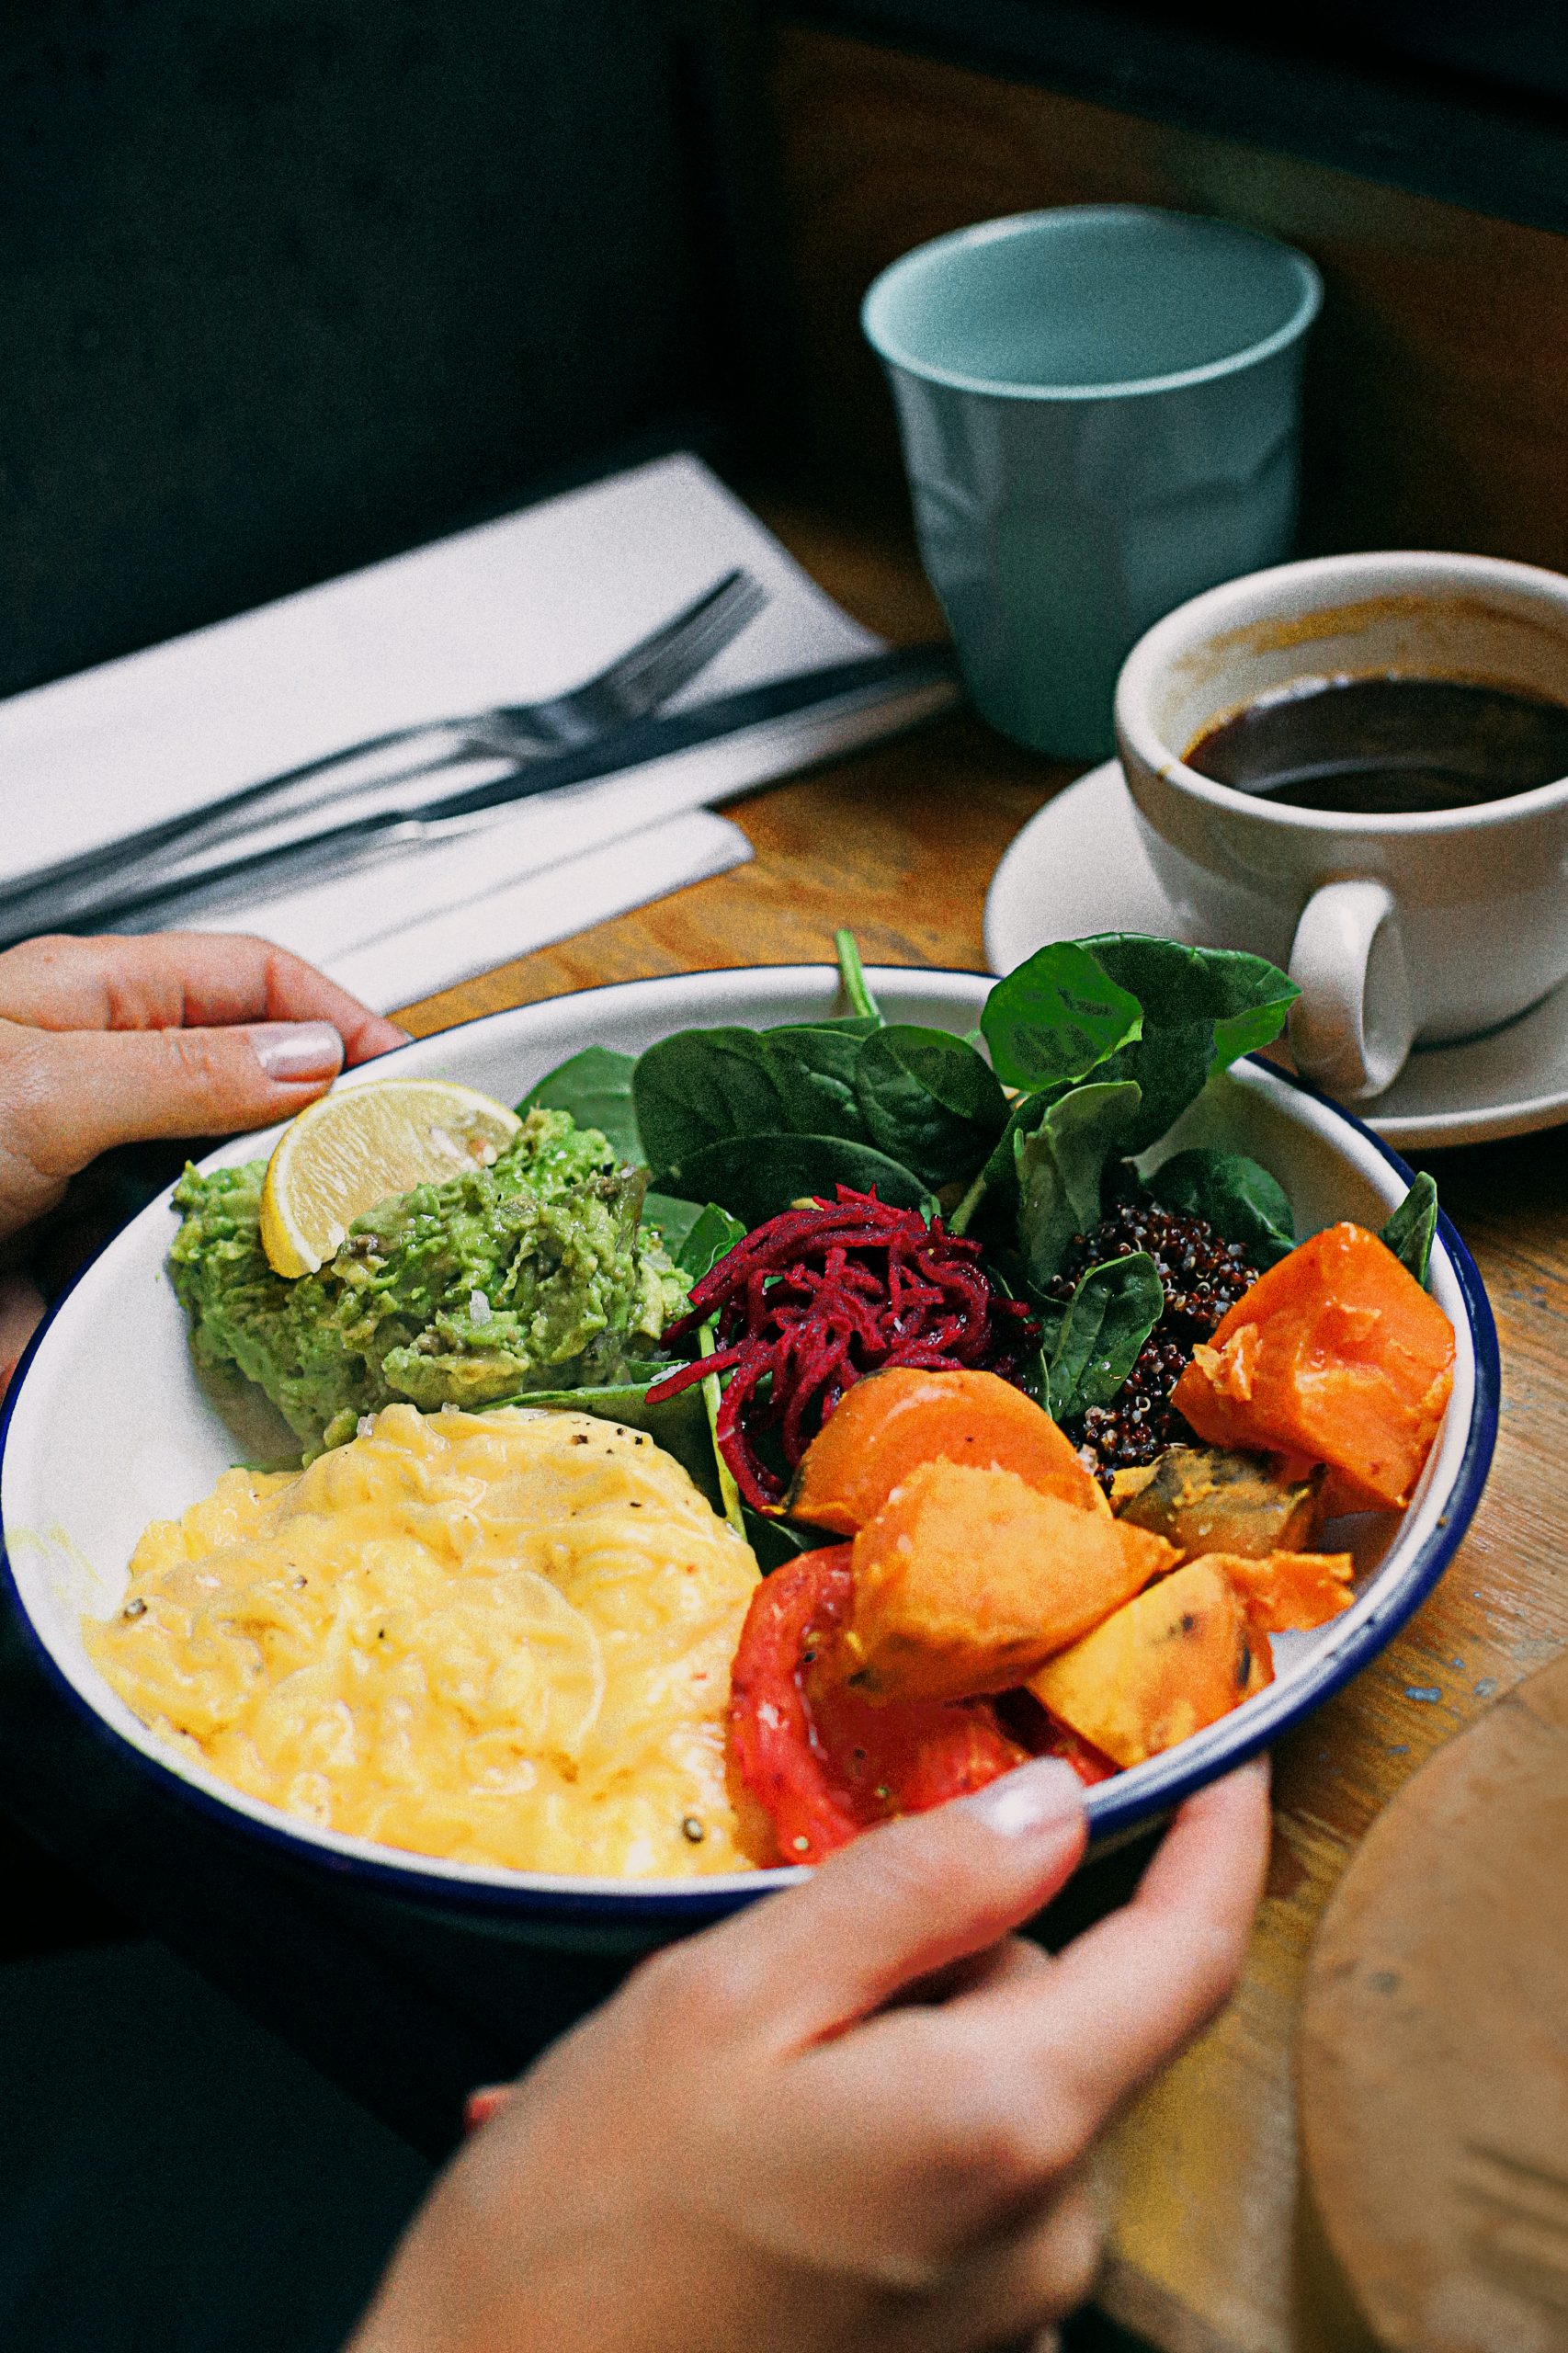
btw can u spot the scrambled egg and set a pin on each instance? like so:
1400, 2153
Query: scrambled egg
501, 1638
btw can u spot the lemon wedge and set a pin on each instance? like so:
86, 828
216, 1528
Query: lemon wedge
352, 1149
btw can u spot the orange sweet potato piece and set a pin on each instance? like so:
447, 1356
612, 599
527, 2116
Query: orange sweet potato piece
1284, 1592
1337, 1353
1174, 1659
891, 1421
968, 1579
1204, 1499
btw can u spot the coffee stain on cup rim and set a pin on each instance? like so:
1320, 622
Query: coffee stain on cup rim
1285, 633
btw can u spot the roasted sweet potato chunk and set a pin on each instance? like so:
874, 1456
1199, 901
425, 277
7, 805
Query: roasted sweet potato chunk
892, 1421
1335, 1354
1205, 1499
1284, 1592
1164, 1664
968, 1579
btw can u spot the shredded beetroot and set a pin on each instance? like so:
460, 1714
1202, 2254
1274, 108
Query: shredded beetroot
812, 1299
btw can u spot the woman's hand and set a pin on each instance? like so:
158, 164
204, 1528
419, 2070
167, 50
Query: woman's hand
851, 2120
109, 1041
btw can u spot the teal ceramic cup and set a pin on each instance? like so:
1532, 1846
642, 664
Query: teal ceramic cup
1100, 413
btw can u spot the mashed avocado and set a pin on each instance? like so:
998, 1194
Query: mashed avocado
531, 1274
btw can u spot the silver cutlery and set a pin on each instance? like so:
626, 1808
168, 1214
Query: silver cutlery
422, 810
346, 785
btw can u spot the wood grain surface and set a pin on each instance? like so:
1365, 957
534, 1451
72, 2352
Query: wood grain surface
1210, 2252
1436, 390
1434, 2045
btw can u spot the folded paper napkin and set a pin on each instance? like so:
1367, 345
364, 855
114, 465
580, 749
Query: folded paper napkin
507, 612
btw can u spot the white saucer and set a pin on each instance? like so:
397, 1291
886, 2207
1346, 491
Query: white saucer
1080, 866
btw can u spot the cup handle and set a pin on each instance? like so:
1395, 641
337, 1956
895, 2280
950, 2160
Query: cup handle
1351, 1027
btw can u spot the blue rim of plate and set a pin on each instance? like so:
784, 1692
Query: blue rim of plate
1111, 1816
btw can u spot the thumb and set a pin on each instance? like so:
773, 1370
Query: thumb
909, 1898
69, 1094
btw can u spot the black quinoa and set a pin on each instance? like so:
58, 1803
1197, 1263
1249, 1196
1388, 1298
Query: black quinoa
1203, 1278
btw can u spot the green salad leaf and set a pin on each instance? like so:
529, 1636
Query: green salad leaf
712, 1235
813, 1069
1106, 1041
730, 1494
701, 1085
755, 1176
992, 1196
928, 1100
1412, 1229
596, 1088
1113, 1309
1060, 1166
1057, 1018
850, 1025
776, 1540
671, 1219
1240, 1200
852, 973
1202, 1006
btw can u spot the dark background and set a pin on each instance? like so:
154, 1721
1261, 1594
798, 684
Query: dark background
287, 285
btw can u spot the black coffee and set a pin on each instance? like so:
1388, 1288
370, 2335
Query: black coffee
1387, 747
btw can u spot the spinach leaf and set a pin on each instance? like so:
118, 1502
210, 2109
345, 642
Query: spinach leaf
756, 1175
1113, 1309
1060, 1167
850, 1025
1202, 1006
695, 1235
813, 1069
1410, 1232
1242, 1201
852, 973
732, 1505
1057, 1016
776, 1540
700, 1086
712, 1237
995, 1192
678, 1424
642, 1373
928, 1100
596, 1088
671, 1219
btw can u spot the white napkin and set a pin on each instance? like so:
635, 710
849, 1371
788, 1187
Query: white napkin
503, 613
413, 959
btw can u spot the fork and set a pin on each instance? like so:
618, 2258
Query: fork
412, 812
635, 684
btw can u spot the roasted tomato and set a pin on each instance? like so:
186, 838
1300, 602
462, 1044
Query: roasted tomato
823, 1762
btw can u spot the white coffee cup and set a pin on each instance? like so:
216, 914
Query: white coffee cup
1433, 926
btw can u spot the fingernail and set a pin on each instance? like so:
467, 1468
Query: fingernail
297, 1049
481, 2105
1034, 1797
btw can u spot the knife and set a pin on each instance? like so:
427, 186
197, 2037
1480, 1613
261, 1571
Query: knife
389, 816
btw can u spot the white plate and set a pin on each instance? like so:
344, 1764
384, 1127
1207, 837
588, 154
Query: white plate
1080, 866
106, 1428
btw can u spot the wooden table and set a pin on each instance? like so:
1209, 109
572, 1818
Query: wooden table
1211, 2250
